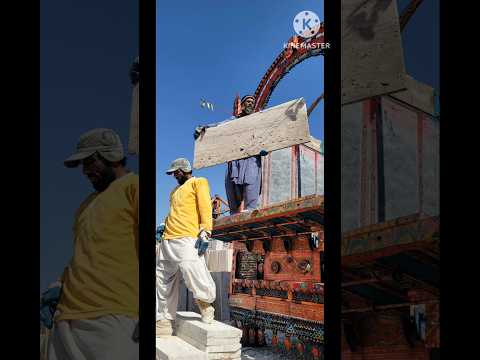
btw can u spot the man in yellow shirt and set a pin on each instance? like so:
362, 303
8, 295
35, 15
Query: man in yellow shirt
97, 313
188, 228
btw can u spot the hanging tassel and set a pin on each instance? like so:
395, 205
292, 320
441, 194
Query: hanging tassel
315, 352
251, 336
244, 340
274, 341
260, 337
300, 348
287, 343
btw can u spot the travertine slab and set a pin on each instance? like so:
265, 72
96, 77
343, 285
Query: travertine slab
174, 348
189, 324
271, 129
225, 356
371, 49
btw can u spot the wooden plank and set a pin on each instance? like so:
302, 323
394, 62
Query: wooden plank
418, 95
312, 312
273, 305
272, 129
242, 301
372, 54
287, 208
388, 238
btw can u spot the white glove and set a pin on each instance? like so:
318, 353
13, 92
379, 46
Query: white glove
204, 235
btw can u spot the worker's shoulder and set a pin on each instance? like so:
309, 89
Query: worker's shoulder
200, 181
83, 205
130, 179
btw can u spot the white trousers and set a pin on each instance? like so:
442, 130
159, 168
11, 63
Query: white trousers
178, 258
104, 338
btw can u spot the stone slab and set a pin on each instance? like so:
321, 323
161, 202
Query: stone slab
219, 260
372, 60
174, 348
271, 129
189, 324
225, 356
417, 94
229, 345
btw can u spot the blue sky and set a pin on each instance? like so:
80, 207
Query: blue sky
421, 42
86, 49
213, 52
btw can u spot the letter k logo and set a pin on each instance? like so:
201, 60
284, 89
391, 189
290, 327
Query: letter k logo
306, 23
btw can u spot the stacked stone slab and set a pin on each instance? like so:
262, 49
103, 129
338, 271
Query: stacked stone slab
217, 340
174, 348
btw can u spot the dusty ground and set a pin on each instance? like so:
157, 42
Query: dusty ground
263, 353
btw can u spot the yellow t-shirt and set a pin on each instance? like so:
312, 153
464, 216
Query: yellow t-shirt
102, 277
190, 209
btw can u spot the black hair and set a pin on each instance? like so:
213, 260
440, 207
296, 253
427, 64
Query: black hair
246, 97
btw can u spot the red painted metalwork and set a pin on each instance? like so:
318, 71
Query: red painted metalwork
294, 290
408, 13
284, 62
314, 104
391, 267
387, 267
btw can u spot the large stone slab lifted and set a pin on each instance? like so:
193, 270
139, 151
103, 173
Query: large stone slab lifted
217, 340
174, 348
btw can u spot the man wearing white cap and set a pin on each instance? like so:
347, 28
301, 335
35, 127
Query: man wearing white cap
184, 241
243, 177
97, 313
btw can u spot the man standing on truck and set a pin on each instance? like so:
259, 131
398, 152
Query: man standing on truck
97, 313
187, 231
243, 177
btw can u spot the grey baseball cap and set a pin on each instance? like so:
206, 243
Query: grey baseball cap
104, 141
179, 164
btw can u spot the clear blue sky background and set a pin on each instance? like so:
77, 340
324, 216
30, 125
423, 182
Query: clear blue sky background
421, 42
87, 48
214, 51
